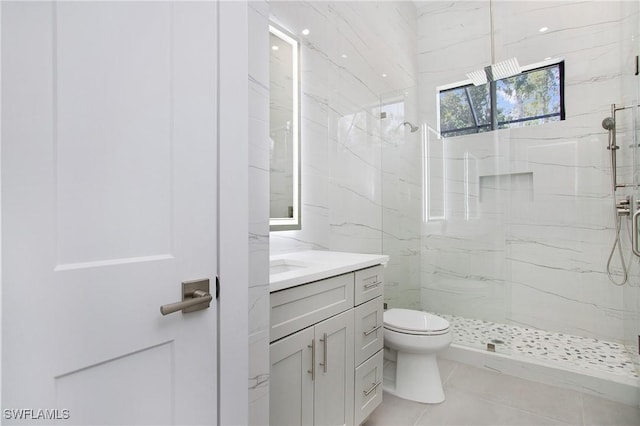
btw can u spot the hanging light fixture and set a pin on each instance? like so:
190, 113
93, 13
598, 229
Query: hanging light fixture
495, 71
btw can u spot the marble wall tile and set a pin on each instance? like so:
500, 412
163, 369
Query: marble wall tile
350, 46
528, 212
349, 202
453, 39
520, 220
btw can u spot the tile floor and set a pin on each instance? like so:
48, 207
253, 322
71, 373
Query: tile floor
482, 397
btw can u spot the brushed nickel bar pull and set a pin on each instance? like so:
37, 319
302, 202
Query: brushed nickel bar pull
373, 330
313, 359
372, 388
374, 284
198, 297
324, 351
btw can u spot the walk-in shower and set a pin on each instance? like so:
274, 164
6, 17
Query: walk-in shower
508, 234
508, 242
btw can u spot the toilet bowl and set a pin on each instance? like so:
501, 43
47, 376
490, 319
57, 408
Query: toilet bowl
415, 338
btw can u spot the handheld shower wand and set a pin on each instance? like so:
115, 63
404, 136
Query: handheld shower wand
609, 124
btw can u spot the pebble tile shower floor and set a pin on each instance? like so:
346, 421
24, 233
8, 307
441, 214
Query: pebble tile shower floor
566, 351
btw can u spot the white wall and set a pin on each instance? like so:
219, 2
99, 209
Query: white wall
529, 220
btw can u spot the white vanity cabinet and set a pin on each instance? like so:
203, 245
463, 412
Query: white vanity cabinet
326, 350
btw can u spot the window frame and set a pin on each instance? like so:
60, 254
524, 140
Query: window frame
491, 125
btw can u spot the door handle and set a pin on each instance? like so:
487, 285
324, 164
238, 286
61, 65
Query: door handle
313, 359
324, 351
372, 388
373, 330
372, 285
195, 296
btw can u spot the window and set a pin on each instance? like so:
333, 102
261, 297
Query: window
532, 97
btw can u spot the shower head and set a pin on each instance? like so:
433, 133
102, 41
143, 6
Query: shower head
608, 123
413, 128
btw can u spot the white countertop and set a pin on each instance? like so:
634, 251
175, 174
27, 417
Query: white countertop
314, 265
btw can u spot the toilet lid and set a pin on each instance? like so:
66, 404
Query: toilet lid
414, 321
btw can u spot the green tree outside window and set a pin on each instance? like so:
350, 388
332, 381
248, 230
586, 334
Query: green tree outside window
530, 98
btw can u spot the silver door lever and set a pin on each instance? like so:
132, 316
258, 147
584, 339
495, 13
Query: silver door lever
195, 296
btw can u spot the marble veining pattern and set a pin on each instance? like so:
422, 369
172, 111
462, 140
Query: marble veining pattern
519, 221
564, 350
350, 46
522, 219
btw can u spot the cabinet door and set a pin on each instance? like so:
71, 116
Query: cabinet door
334, 371
291, 384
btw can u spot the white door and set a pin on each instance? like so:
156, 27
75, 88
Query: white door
108, 204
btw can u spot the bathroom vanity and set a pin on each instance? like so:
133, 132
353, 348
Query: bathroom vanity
326, 337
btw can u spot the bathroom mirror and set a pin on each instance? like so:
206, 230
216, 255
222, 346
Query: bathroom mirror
284, 131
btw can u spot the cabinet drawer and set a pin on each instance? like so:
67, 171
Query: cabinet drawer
368, 387
369, 329
369, 284
298, 307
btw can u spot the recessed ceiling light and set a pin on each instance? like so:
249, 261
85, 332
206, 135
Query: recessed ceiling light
344, 56
274, 47
543, 29
306, 31
384, 75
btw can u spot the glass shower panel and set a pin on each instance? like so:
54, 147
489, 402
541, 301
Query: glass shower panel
632, 292
401, 196
629, 155
468, 196
632, 328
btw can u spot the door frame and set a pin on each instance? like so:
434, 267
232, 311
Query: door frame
233, 222
233, 227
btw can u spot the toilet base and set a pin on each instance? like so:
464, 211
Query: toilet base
418, 378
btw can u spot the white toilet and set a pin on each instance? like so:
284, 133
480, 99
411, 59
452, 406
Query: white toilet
415, 337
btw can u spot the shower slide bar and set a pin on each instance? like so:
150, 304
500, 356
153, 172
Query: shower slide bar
635, 247
609, 124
